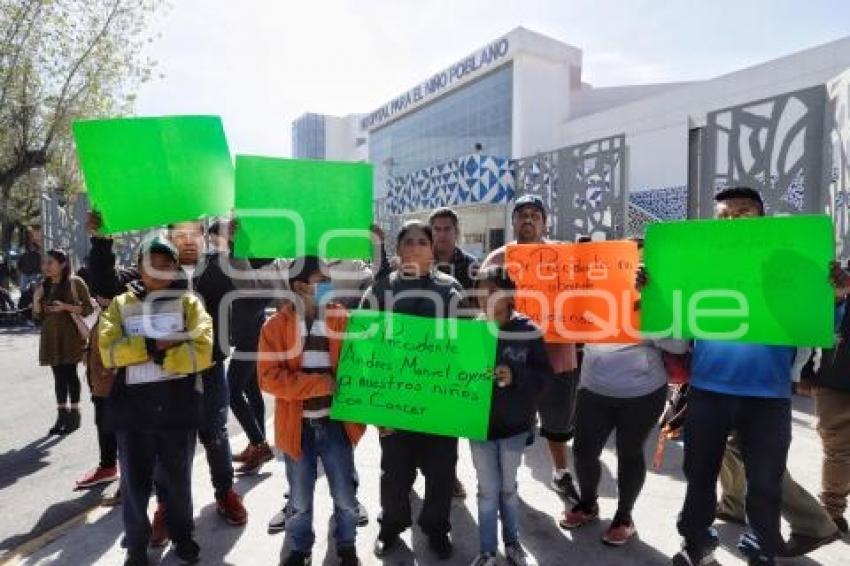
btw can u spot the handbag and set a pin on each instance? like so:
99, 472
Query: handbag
84, 324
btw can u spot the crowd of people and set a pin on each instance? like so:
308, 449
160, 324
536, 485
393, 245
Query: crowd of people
156, 337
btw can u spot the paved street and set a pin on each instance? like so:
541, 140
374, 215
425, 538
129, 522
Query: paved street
36, 474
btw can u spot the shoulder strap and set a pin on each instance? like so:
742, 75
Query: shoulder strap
73, 284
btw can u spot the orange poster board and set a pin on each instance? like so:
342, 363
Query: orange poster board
583, 293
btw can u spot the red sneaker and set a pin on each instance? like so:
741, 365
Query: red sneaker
230, 507
619, 534
159, 530
579, 516
98, 476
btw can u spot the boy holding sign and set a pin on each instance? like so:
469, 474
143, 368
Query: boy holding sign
299, 350
159, 337
558, 399
521, 366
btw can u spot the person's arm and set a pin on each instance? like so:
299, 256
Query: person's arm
116, 349
195, 354
380, 262
84, 307
106, 279
277, 379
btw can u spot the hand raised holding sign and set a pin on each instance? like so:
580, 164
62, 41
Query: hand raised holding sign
503, 375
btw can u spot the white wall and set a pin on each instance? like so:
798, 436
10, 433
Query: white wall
656, 127
541, 100
341, 135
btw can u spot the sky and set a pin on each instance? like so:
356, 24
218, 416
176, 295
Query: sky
262, 63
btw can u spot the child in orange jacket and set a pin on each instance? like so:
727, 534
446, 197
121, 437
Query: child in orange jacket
298, 354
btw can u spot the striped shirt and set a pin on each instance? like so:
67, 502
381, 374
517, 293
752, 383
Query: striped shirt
316, 358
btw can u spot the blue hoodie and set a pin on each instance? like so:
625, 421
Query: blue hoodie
746, 370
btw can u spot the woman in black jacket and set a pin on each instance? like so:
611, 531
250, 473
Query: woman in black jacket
416, 288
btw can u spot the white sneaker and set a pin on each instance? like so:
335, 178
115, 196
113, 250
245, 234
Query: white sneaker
517, 556
484, 559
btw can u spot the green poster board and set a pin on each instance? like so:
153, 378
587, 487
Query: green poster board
147, 172
292, 207
778, 266
418, 374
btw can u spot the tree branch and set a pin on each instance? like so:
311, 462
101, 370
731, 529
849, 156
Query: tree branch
60, 110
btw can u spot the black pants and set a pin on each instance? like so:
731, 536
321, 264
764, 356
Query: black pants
246, 401
171, 452
67, 383
402, 453
105, 438
632, 419
764, 431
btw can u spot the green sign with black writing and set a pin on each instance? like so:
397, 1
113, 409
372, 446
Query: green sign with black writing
418, 374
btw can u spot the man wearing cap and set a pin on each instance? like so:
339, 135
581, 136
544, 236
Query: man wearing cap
557, 400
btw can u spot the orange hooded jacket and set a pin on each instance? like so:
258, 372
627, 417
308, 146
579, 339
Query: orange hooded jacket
279, 373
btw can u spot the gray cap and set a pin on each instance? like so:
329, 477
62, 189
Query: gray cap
529, 200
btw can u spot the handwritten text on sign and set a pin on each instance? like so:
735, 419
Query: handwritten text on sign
414, 373
577, 292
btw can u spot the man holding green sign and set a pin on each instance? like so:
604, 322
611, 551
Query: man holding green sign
738, 386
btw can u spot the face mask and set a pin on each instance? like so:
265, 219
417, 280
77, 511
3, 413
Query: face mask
322, 292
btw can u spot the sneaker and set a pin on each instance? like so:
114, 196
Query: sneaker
619, 533
298, 558
691, 555
517, 556
841, 523
98, 476
441, 545
798, 545
230, 507
348, 556
580, 515
565, 486
258, 456
187, 551
278, 522
750, 547
138, 557
362, 515
159, 530
459, 492
484, 559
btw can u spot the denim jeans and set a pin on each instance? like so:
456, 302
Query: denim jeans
246, 401
496, 463
213, 430
763, 426
326, 440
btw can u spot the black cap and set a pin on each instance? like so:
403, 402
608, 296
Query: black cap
529, 200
